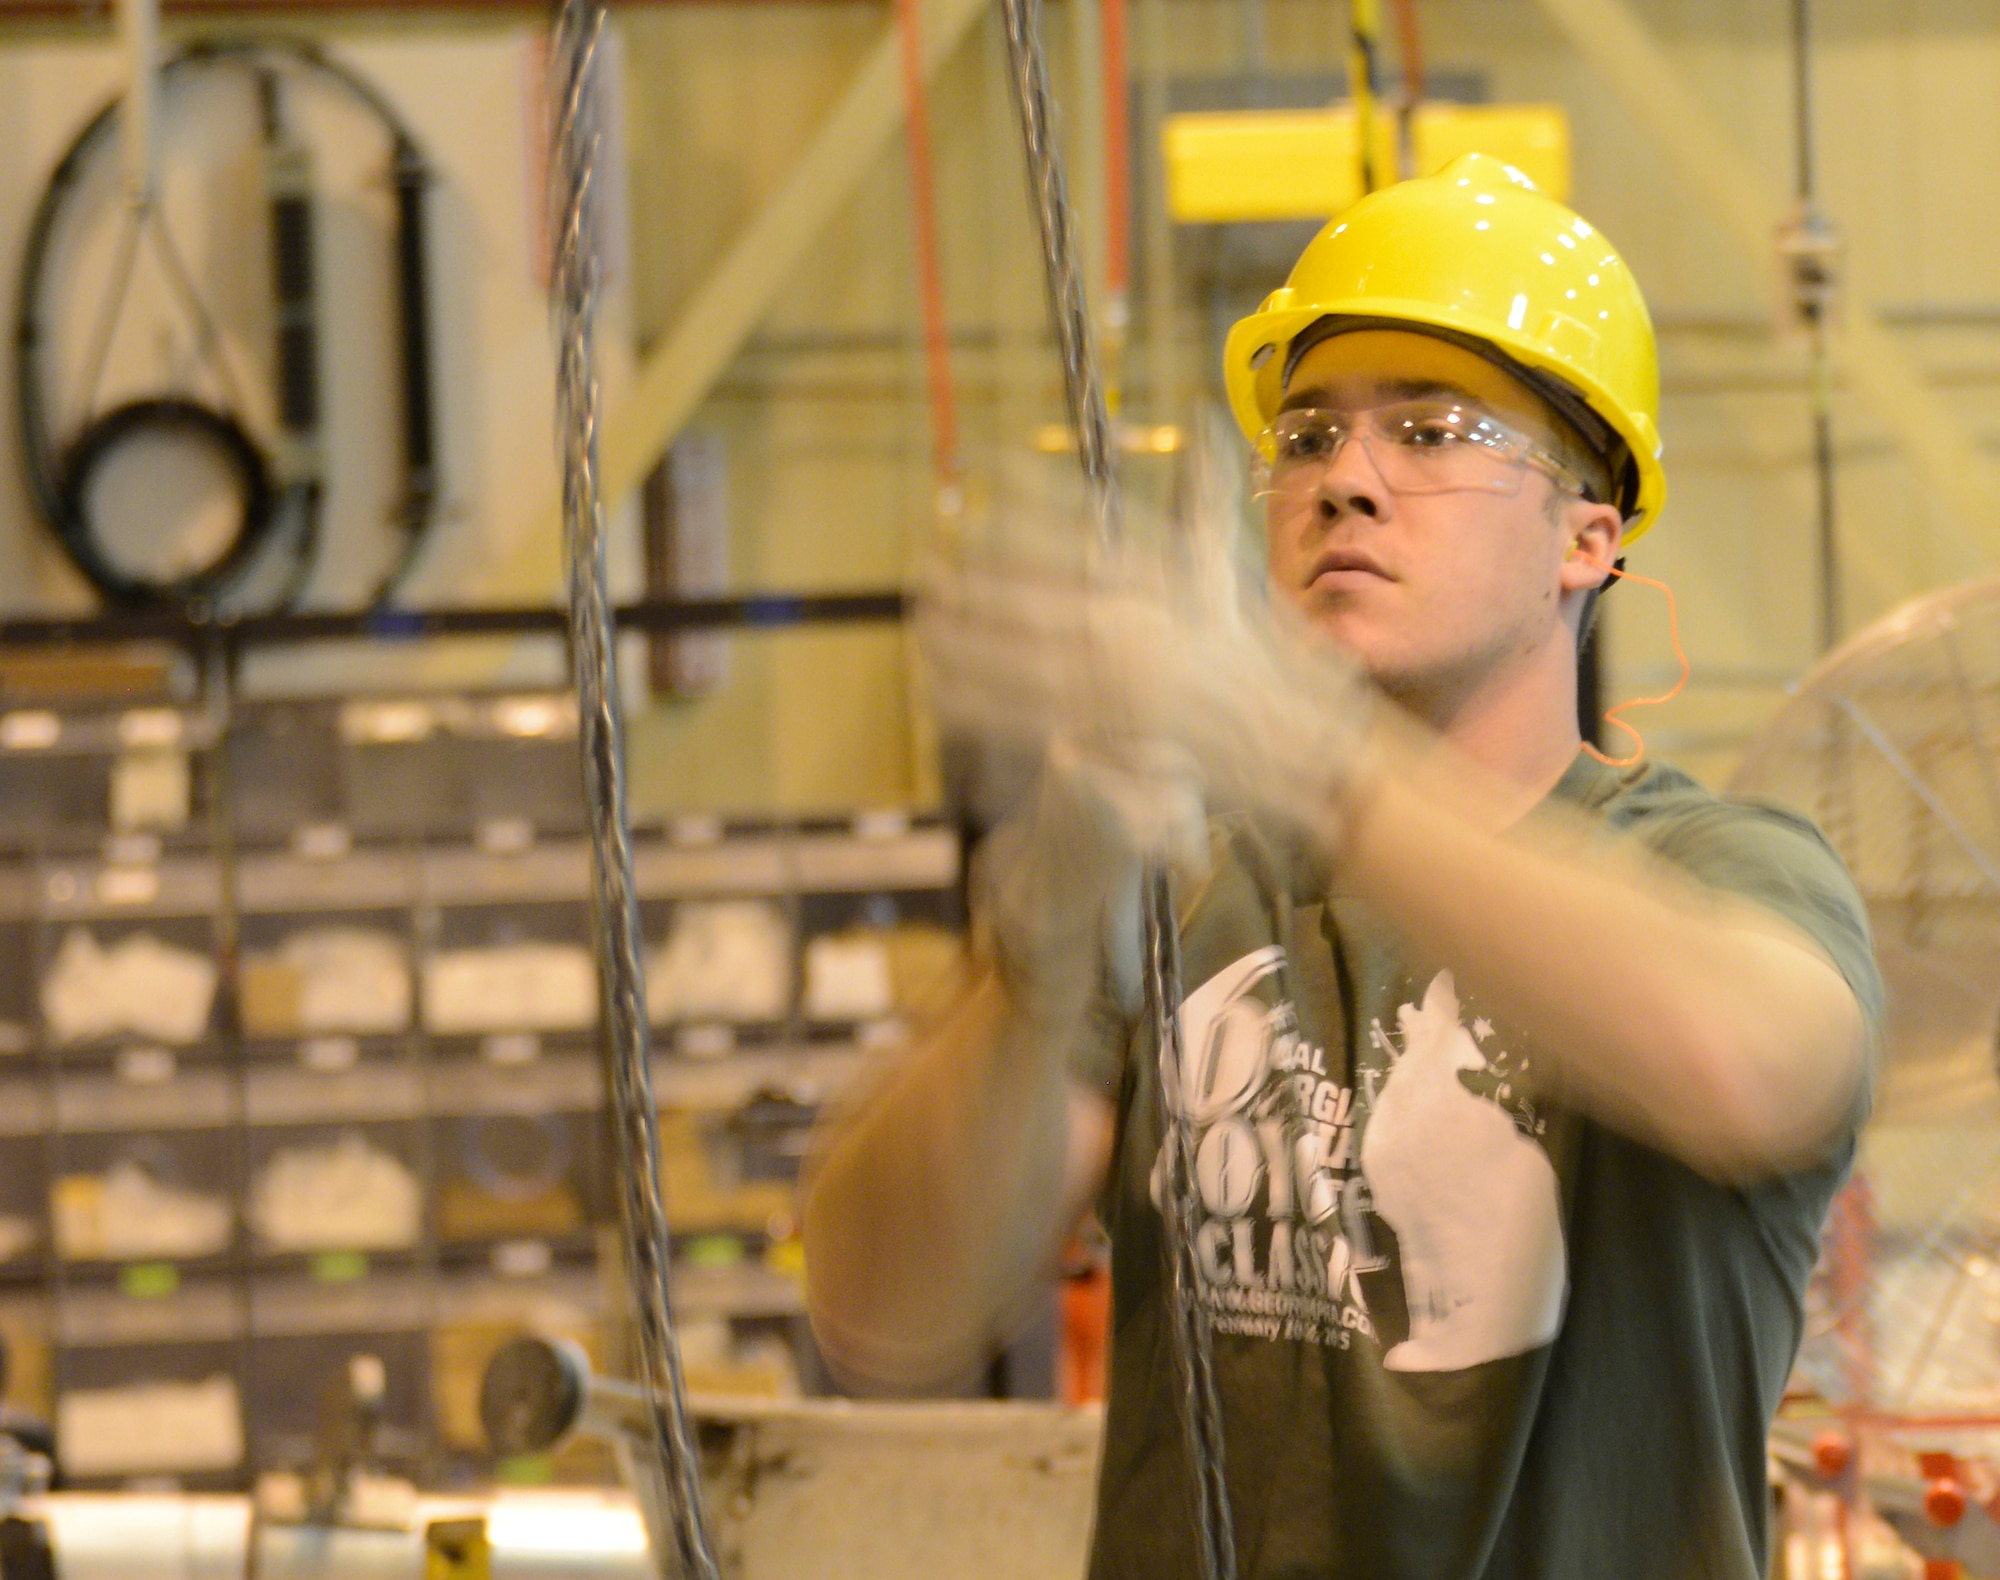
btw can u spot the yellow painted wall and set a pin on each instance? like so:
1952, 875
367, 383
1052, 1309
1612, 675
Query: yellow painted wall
1910, 162
823, 415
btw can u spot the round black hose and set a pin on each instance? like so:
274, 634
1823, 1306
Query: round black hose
58, 470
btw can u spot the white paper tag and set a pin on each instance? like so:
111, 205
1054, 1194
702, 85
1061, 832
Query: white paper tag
505, 836
511, 1048
522, 1258
29, 730
329, 1055
146, 1066
128, 885
707, 1040
322, 841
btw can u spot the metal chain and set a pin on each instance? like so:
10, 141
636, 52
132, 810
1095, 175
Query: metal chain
1201, 1407
1084, 391
670, 1495
1201, 1411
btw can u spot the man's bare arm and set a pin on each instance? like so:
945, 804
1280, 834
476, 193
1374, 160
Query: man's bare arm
1698, 1022
942, 1199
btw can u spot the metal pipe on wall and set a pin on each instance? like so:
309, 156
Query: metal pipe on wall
1962, 483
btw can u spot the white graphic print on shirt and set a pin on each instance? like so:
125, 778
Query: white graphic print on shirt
1416, 1195
1472, 1201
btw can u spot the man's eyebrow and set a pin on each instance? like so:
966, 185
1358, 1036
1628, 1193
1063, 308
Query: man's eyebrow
1385, 389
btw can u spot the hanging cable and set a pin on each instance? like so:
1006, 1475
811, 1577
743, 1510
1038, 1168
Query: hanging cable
1364, 31
668, 1480
271, 489
1411, 44
930, 276
1089, 415
1811, 246
1117, 208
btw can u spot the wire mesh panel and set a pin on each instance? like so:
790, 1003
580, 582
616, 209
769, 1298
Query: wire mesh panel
1892, 745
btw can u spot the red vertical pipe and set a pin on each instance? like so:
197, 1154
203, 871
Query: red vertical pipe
1412, 43
923, 210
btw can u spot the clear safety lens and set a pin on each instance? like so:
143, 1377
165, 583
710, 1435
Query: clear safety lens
1425, 446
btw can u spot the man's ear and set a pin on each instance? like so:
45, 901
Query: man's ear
1595, 535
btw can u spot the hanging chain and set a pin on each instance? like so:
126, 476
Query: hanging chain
669, 1489
1201, 1413
1201, 1408
1089, 416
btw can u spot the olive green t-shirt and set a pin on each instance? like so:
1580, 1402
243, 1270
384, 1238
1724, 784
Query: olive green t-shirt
1460, 1333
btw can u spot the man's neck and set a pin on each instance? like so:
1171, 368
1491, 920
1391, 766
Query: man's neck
1520, 725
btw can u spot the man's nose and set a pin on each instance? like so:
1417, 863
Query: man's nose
1351, 484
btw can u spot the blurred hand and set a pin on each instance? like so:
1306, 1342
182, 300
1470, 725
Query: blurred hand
1059, 882
1137, 657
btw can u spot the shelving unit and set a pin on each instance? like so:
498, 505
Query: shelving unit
440, 835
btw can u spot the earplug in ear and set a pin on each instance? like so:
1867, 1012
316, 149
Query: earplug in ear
1611, 717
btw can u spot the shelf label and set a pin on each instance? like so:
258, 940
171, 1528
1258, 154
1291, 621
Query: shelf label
707, 1040
525, 1470
149, 727
387, 723
128, 885
713, 1252
132, 850
883, 824
329, 1055
146, 1066
530, 718
322, 841
149, 1280
511, 1048
696, 828
522, 1258
339, 1267
29, 730
505, 836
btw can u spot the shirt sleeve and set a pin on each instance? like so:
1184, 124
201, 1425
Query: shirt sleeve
1097, 1053
1780, 860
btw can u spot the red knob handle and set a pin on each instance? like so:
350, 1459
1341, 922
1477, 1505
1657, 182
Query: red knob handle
1944, 1503
1832, 1454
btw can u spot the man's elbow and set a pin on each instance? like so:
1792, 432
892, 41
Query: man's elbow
877, 1317
869, 1362
1782, 1100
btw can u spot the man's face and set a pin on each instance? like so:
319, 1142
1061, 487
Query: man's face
1432, 591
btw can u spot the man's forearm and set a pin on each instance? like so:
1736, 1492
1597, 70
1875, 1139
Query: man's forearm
1690, 1020
937, 1201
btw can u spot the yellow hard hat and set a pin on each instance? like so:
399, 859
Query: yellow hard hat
1478, 255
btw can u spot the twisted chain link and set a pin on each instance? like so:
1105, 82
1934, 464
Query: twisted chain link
1201, 1412
1063, 271
1201, 1409
669, 1492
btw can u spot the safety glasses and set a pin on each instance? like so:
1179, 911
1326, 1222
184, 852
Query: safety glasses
1424, 445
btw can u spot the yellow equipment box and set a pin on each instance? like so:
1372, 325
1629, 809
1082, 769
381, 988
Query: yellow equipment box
1229, 166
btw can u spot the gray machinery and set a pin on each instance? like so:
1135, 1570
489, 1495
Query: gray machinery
810, 1490
1892, 745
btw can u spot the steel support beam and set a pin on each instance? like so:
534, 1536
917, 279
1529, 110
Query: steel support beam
1963, 484
738, 290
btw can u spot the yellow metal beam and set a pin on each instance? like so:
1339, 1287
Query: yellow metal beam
737, 292
1229, 166
1962, 482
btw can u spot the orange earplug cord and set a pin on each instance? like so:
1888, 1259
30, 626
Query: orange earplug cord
1674, 630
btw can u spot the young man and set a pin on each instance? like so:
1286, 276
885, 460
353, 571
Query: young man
1518, 1086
